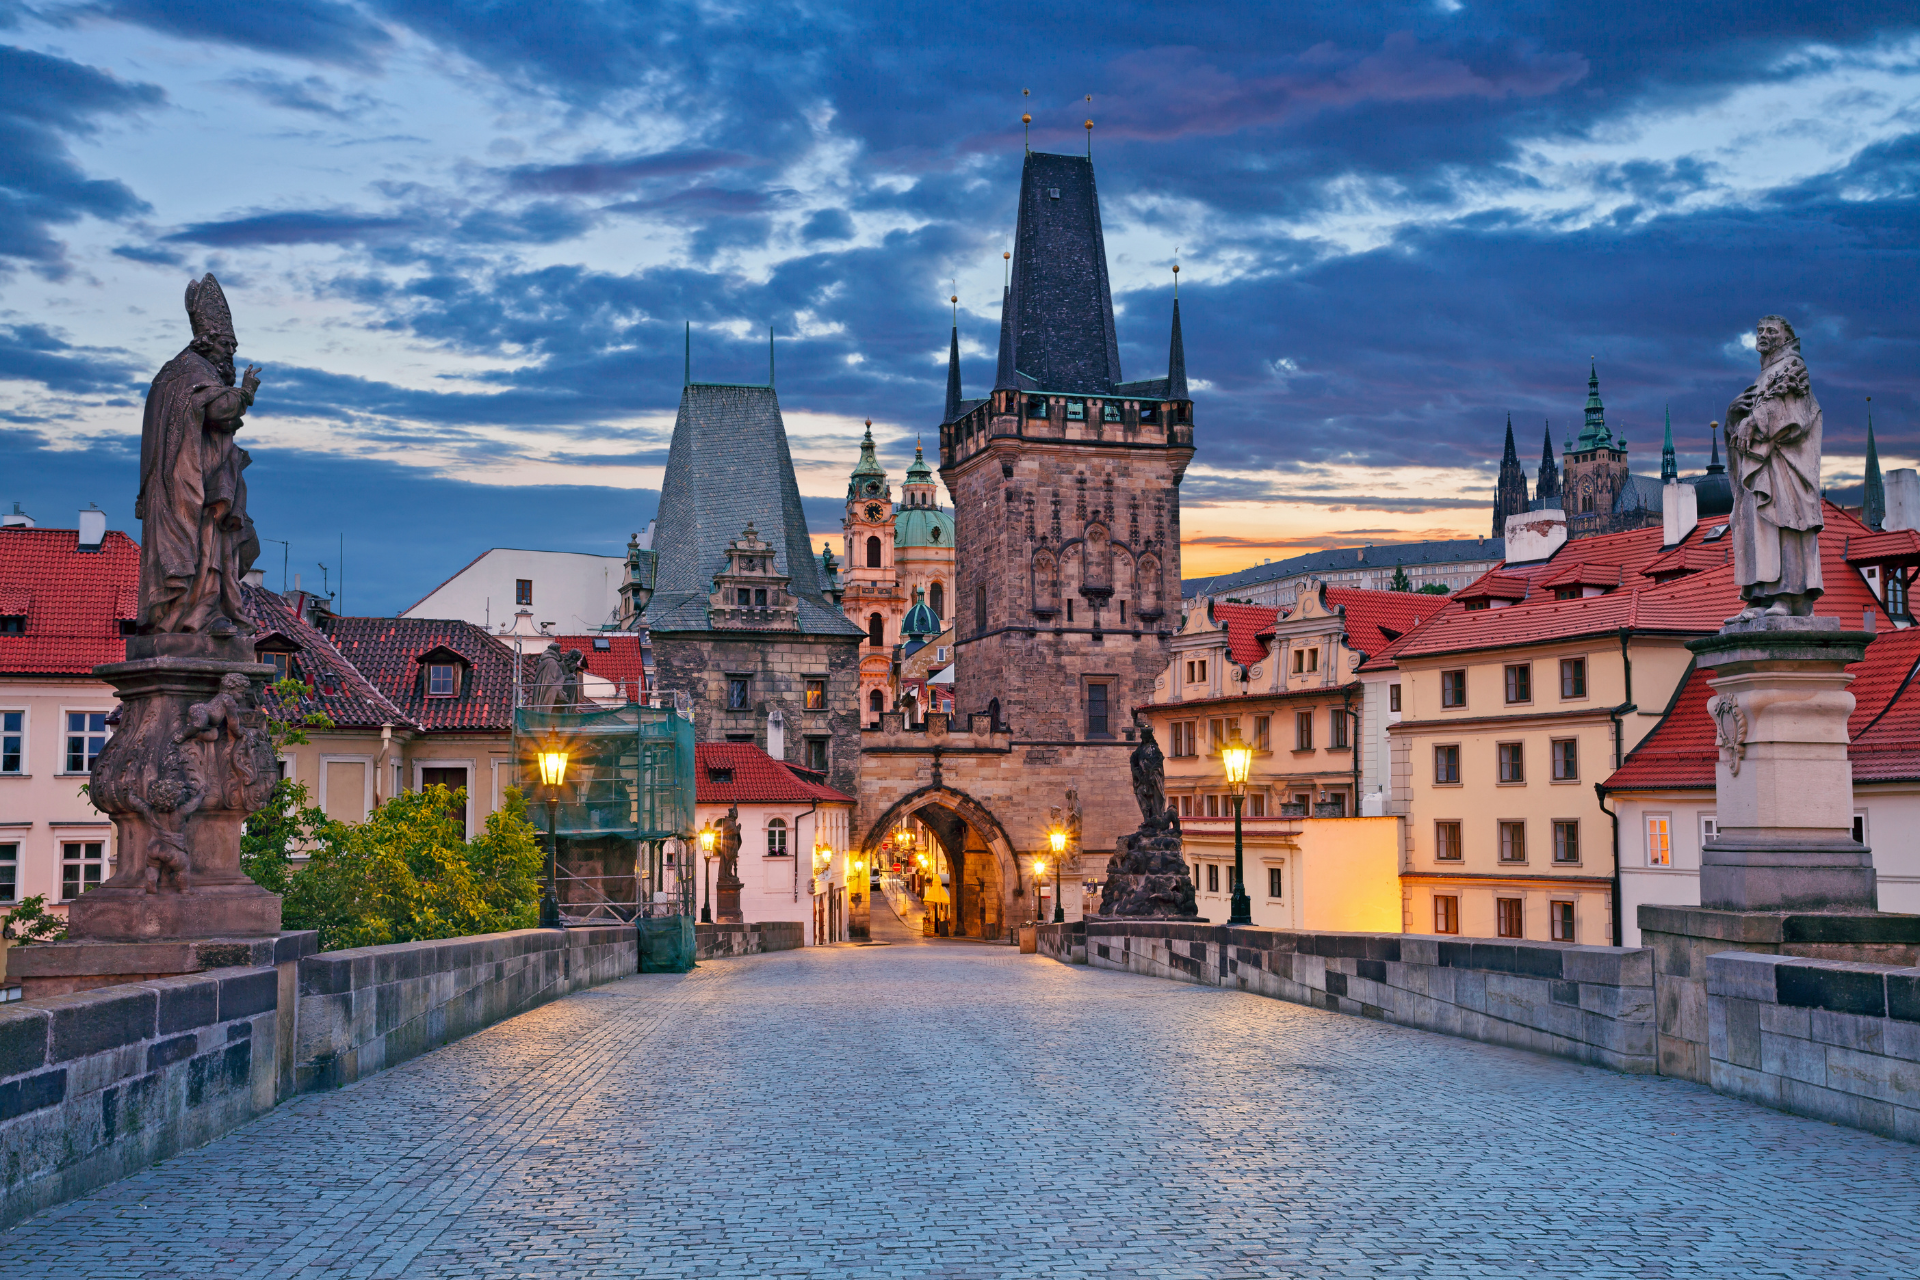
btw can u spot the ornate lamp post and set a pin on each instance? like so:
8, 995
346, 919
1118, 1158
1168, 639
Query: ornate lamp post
553, 773
1039, 878
706, 854
1058, 839
1238, 759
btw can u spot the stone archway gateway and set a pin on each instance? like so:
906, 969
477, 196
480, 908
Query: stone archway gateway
975, 850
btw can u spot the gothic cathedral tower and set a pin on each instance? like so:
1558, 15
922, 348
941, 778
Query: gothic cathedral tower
1066, 489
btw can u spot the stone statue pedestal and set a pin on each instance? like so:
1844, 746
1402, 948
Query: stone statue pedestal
190, 760
1147, 878
1783, 784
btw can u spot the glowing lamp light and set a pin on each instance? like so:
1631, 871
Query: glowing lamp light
1039, 868
553, 767
1058, 839
1237, 757
706, 840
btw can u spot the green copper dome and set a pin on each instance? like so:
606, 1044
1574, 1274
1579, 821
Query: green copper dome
922, 527
919, 472
920, 622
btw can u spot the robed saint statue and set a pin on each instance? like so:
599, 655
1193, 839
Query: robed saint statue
1773, 442
196, 541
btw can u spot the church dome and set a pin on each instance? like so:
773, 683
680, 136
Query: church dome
920, 620
1713, 493
922, 527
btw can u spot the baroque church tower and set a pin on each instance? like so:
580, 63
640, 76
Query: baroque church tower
1066, 488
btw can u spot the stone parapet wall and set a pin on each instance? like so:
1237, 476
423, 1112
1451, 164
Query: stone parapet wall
97, 1084
373, 1007
1832, 1039
1589, 1004
714, 941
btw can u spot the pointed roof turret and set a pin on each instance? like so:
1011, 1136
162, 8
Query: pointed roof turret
1177, 361
1510, 454
1874, 502
919, 472
1510, 493
1715, 467
1669, 465
1004, 377
868, 467
1062, 306
953, 376
1548, 488
1594, 434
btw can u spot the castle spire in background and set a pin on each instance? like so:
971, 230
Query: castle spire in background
953, 367
1594, 434
1669, 465
1873, 507
1510, 496
1547, 491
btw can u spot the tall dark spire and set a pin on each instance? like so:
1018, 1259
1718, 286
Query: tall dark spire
1004, 377
953, 377
1062, 306
1874, 504
1715, 467
1669, 465
1510, 496
1547, 490
1177, 361
1594, 433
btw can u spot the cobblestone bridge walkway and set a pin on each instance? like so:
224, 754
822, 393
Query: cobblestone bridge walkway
963, 1111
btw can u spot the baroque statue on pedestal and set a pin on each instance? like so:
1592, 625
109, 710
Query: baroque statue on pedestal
1147, 875
1773, 443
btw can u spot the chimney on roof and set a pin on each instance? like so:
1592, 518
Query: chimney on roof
16, 519
93, 528
1680, 511
1903, 499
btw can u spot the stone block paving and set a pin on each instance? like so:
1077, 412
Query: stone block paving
969, 1114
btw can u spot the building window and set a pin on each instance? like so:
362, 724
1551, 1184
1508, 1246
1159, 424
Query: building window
1303, 731
1860, 827
1512, 761
1076, 410
937, 596
1513, 842
1273, 882
1186, 806
776, 837
739, 692
1262, 730
282, 664
1446, 764
1446, 841
13, 739
1337, 726
1393, 697
1213, 877
80, 867
1566, 841
1573, 677
1566, 759
1305, 660
1036, 406
1453, 688
760, 596
86, 734
876, 631
1213, 806
9, 872
979, 608
1560, 917
1896, 591
1520, 682
1659, 840
817, 754
523, 590
816, 695
876, 702
1508, 911
1709, 828
873, 553
1446, 913
1256, 804
440, 680
1097, 711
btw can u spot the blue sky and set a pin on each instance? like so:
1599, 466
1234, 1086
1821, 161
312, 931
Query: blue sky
464, 239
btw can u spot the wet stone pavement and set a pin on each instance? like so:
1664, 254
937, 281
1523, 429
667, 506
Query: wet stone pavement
963, 1111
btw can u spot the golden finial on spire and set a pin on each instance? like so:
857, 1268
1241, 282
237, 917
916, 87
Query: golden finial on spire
1176, 273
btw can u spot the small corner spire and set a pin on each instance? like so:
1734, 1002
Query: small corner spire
1004, 378
953, 366
1714, 465
1177, 360
1874, 501
1669, 465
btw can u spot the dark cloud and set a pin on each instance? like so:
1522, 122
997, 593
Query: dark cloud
314, 95
34, 353
298, 226
316, 30
602, 175
151, 255
827, 224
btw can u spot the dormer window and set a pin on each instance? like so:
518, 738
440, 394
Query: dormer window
13, 624
282, 664
443, 680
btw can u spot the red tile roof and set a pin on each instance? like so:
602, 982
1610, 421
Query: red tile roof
1693, 605
1376, 619
1898, 546
1496, 585
1245, 625
741, 773
73, 600
619, 663
340, 691
388, 651
1885, 726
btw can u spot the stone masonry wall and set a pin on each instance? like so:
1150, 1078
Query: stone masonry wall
712, 941
1590, 1004
1836, 1040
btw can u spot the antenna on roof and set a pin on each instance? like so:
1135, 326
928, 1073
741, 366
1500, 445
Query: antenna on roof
687, 379
1026, 121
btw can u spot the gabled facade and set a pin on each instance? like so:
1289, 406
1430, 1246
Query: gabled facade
795, 833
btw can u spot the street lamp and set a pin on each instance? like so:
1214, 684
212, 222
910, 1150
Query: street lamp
1058, 839
1039, 877
706, 853
1238, 759
553, 773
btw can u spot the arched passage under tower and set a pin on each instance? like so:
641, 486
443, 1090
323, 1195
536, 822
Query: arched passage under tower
968, 845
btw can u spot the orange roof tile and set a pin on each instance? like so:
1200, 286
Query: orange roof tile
741, 773
71, 600
1895, 546
1246, 624
619, 662
1376, 619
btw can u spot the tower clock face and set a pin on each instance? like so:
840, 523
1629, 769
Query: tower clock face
875, 511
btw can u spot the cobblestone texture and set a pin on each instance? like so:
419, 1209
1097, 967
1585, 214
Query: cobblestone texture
960, 1111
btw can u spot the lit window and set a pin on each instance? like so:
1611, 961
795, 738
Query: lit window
81, 862
440, 680
86, 734
1659, 840
13, 740
816, 695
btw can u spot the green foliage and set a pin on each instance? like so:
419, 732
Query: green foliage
408, 873
1401, 582
289, 824
32, 922
287, 723
1433, 589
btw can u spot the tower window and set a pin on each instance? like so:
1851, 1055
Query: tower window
876, 702
979, 608
876, 631
1076, 410
937, 597
1097, 710
873, 553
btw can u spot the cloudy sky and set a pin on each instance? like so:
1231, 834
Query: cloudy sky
464, 240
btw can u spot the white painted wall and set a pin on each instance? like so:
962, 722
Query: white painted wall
1892, 829
572, 590
783, 888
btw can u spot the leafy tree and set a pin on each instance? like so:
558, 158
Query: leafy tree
408, 873
1433, 589
1401, 582
289, 823
32, 922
